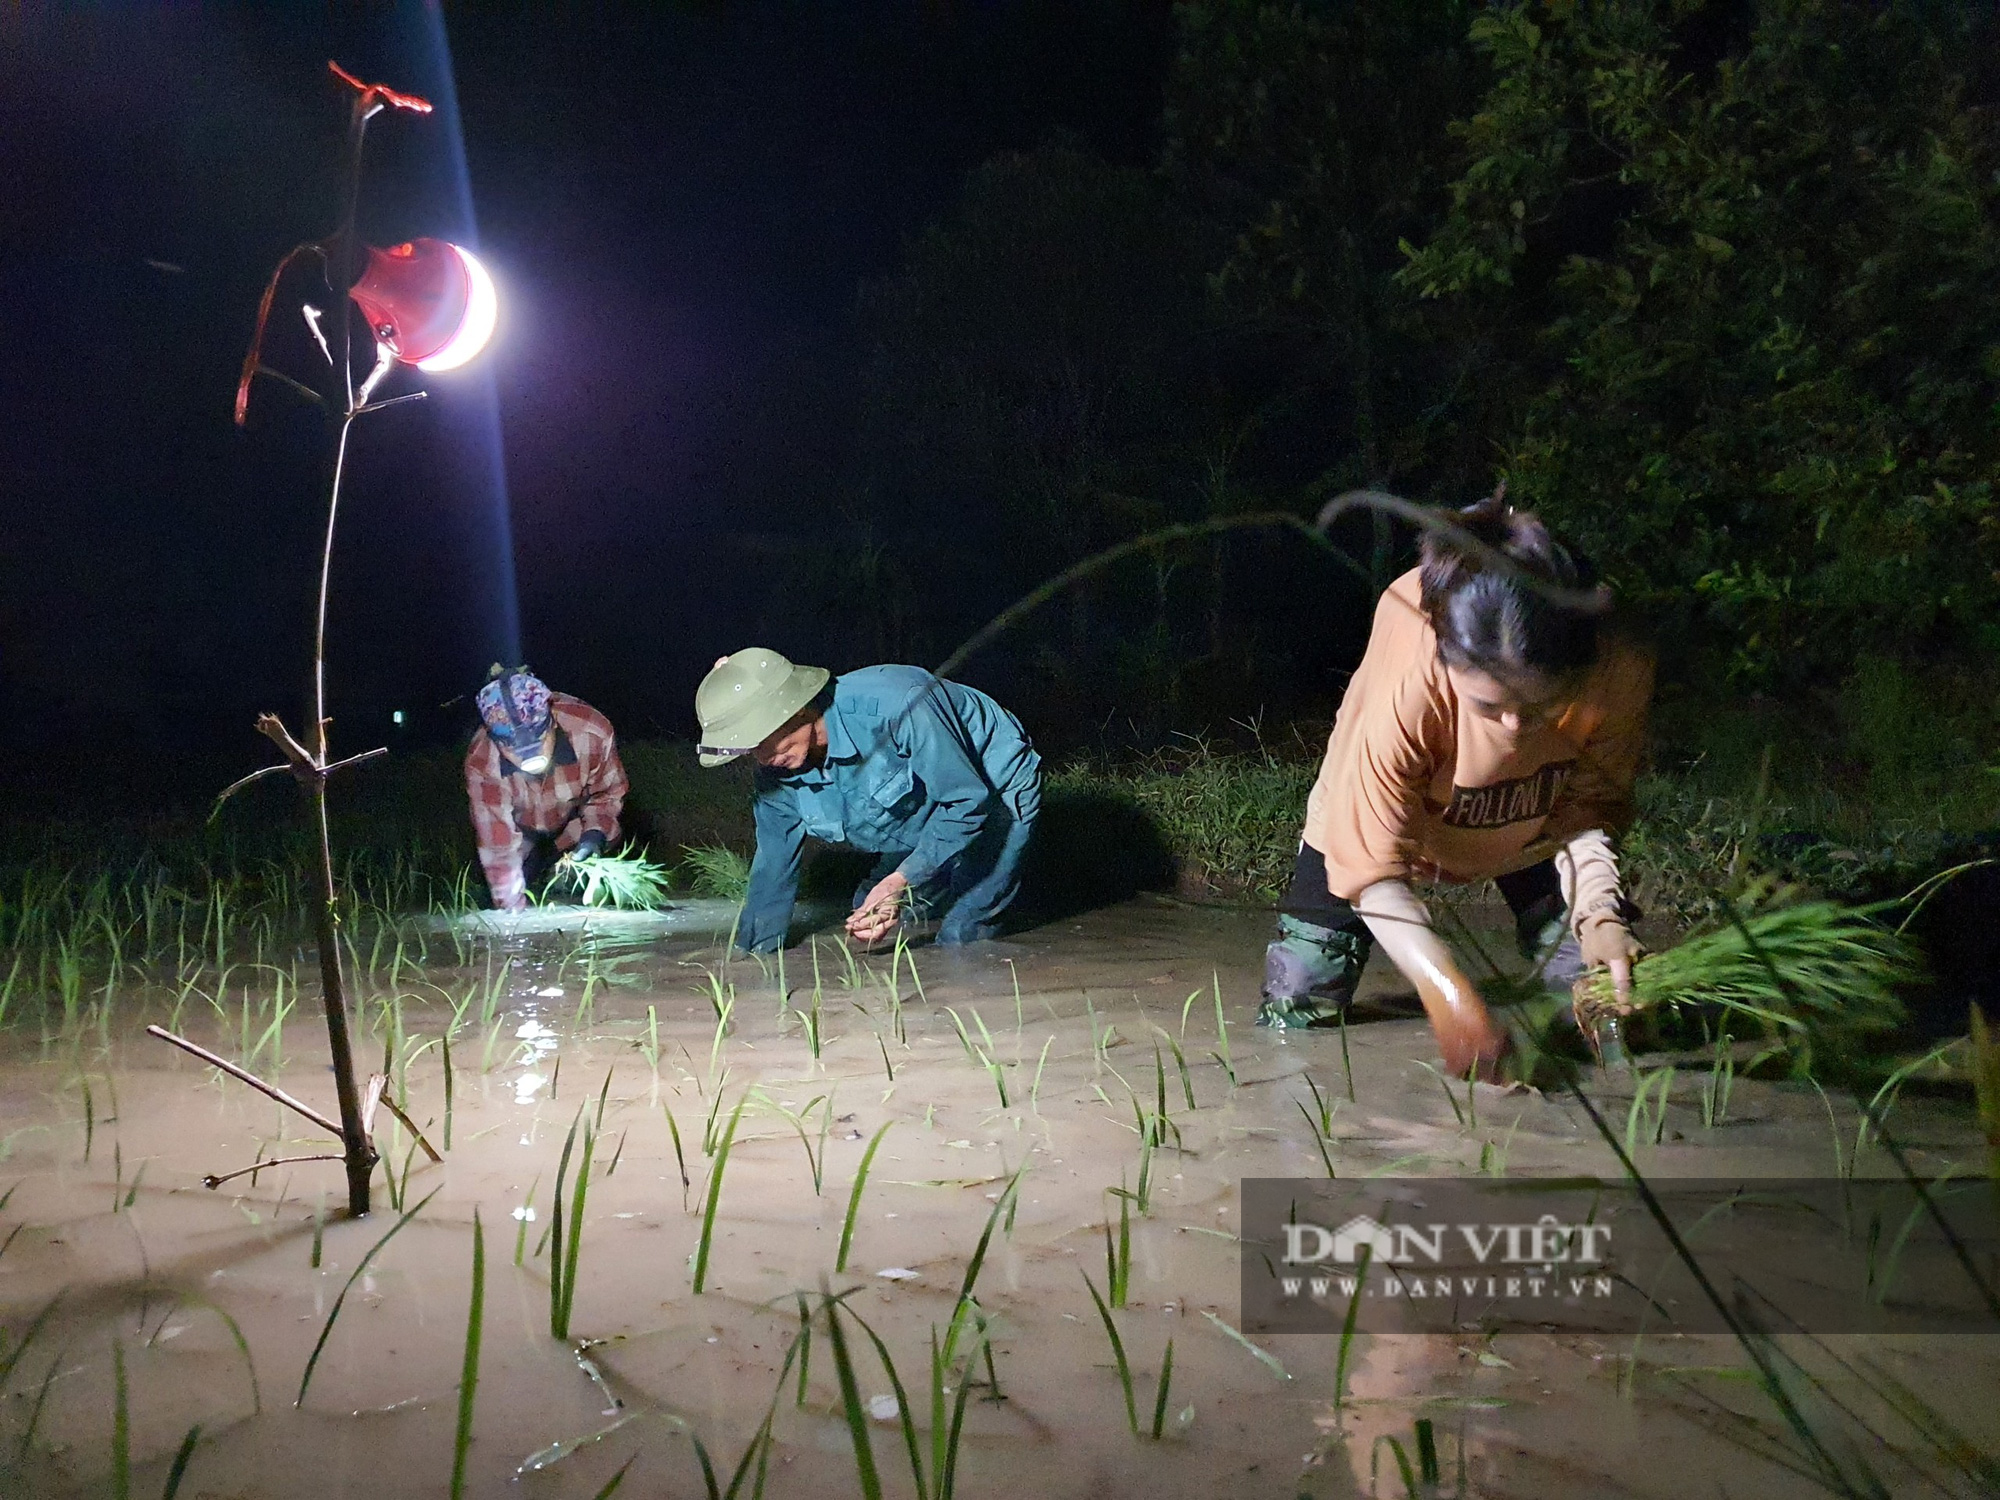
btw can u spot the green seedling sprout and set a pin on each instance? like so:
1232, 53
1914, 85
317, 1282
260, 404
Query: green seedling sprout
854, 1196
1221, 1055
1646, 1116
1457, 1109
1720, 1083
1035, 1093
1180, 1063
1160, 1398
715, 1172
326, 1329
1118, 1255
523, 1217
1117, 1353
121, 1426
183, 1455
680, 1157
468, 1377
563, 1254
1263, 1356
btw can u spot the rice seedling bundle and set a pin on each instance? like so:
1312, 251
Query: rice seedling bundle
712, 870
1805, 966
627, 880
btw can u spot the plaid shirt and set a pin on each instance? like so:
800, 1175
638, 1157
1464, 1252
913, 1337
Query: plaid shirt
584, 790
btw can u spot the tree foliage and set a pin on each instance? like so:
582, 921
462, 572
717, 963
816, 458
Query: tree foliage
1765, 399
1715, 284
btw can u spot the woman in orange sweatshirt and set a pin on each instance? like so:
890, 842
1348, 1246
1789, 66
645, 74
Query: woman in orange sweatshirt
1493, 730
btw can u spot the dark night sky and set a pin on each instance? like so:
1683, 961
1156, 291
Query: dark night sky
678, 204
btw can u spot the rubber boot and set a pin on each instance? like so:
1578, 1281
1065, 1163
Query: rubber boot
1544, 938
1310, 974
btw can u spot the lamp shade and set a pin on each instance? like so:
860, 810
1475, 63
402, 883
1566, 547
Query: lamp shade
429, 302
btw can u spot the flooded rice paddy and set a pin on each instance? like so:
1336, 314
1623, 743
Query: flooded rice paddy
1034, 1057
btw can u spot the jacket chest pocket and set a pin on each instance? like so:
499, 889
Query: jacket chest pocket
895, 795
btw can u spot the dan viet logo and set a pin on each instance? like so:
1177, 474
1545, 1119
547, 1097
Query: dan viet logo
1546, 1258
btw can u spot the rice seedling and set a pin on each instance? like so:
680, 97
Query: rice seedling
714, 871
715, 1172
851, 1407
564, 1252
603, 1095
722, 1014
1180, 1064
326, 1329
446, 1054
183, 1455
1419, 1479
1221, 1055
7, 986
946, 1427
852, 976
1319, 1120
650, 1048
1720, 1083
1457, 1109
981, 1055
809, 1026
815, 1159
1344, 1355
1892, 1087
887, 1066
1646, 1116
1035, 1091
610, 1486
1117, 1353
900, 955
1797, 969
710, 1135
10, 1359
1493, 1156
468, 1376
1118, 1254
121, 1426
680, 1157
854, 1196
626, 880
523, 1217
1263, 1356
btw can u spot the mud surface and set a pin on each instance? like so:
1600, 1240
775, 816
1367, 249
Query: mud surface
108, 1134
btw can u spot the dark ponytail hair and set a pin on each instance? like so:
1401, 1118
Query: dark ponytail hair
1493, 618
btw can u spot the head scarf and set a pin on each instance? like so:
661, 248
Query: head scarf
515, 706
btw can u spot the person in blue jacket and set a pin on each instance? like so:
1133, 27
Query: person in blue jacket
933, 776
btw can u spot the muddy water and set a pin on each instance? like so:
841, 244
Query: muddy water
1069, 1014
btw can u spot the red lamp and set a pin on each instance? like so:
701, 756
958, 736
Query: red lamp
429, 302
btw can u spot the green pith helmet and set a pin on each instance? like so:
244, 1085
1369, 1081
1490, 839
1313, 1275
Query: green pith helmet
747, 697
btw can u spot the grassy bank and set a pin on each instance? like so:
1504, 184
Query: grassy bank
1758, 788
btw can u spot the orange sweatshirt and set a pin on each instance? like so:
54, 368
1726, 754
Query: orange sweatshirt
1415, 785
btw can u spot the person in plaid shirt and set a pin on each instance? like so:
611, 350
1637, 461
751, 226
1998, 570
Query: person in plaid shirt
543, 776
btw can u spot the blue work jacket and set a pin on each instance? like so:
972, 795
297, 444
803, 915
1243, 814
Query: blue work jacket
913, 763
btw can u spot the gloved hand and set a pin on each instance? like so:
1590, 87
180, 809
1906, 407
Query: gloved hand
1610, 945
588, 847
